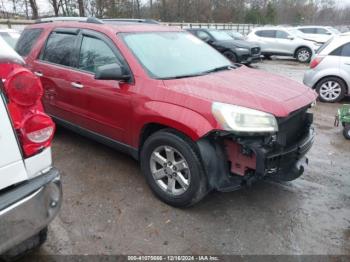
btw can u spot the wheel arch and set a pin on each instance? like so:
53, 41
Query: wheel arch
334, 76
164, 115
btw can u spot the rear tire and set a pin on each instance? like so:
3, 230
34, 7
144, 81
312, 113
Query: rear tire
346, 131
231, 56
26, 247
303, 55
331, 89
183, 186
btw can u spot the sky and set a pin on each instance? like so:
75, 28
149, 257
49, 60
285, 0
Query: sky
45, 7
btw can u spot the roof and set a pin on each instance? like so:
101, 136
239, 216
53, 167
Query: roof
127, 27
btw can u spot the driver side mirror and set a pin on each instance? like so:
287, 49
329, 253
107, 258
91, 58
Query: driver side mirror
290, 37
111, 72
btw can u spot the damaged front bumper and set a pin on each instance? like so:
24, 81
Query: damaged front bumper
232, 163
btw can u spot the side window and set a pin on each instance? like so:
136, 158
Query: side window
203, 35
27, 40
94, 53
321, 31
59, 48
281, 34
266, 33
308, 30
346, 50
343, 50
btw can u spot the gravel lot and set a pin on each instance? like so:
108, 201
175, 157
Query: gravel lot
109, 209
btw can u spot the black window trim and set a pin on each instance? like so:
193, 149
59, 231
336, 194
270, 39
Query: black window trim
77, 47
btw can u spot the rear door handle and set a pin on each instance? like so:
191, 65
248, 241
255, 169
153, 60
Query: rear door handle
38, 74
77, 85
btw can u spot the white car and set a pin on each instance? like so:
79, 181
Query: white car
329, 72
10, 36
30, 188
320, 34
283, 41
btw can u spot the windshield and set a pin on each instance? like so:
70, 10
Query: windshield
10, 38
221, 35
173, 54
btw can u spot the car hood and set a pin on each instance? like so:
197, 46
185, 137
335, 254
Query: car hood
236, 43
248, 88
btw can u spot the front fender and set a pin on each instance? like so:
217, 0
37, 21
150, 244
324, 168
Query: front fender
185, 120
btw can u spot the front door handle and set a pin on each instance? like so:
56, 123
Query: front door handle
38, 74
77, 85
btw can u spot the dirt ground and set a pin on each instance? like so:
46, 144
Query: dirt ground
109, 209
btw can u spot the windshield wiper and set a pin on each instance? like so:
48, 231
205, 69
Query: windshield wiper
221, 68
217, 69
181, 76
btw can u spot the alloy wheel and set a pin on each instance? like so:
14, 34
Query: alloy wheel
170, 170
304, 55
330, 90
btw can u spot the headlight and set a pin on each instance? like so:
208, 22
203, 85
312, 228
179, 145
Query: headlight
242, 49
244, 120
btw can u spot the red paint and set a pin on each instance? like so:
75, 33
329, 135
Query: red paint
240, 163
24, 91
120, 110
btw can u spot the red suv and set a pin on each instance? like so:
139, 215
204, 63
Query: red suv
195, 121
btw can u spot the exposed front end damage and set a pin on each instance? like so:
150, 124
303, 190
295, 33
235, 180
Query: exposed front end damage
233, 161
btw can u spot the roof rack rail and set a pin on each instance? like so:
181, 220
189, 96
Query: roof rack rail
130, 20
92, 20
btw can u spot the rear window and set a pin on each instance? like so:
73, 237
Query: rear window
27, 40
343, 50
60, 48
308, 30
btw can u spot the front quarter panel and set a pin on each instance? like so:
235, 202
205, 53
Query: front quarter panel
174, 116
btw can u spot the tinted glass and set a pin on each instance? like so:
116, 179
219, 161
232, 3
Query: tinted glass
27, 40
221, 36
94, 53
173, 54
266, 33
308, 30
281, 34
346, 50
60, 48
322, 31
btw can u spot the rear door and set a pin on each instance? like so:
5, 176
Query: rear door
267, 41
63, 98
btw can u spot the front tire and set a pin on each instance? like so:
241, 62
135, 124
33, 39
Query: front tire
303, 55
173, 168
331, 89
231, 56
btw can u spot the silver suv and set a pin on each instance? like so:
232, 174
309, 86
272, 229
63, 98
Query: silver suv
329, 71
283, 42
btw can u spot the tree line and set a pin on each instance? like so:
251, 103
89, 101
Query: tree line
202, 11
